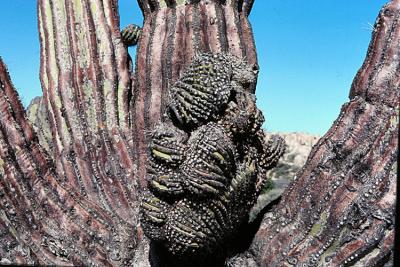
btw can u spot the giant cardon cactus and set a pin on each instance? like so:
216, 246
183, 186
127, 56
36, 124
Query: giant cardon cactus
159, 165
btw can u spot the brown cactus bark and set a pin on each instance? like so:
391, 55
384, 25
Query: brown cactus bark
44, 219
75, 200
86, 86
78, 204
340, 209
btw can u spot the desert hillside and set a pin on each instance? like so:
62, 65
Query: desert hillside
298, 147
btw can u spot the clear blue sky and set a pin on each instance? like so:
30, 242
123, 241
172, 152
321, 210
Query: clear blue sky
309, 52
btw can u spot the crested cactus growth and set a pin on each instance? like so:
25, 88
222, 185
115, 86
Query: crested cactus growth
205, 87
204, 170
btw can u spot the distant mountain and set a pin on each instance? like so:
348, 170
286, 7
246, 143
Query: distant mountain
298, 147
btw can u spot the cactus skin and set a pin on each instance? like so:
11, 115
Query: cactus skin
206, 165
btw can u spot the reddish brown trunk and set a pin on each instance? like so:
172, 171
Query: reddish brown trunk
85, 79
340, 208
46, 220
